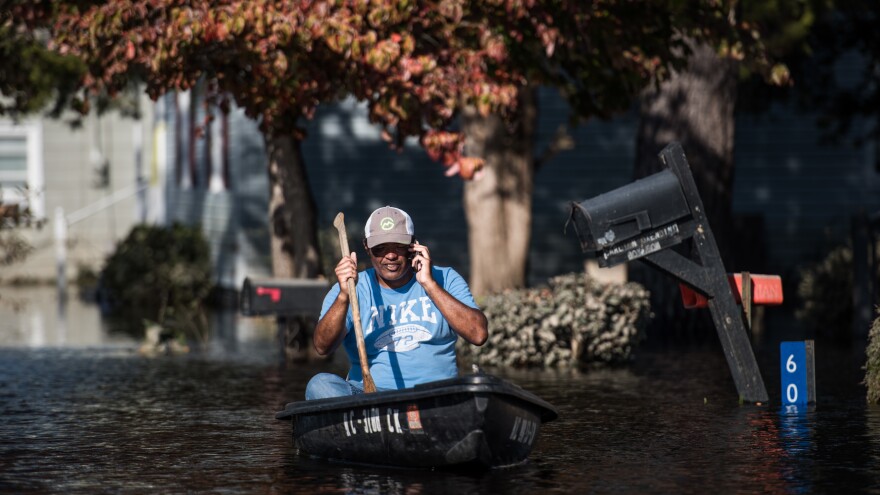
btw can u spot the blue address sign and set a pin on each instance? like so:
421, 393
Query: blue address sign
793, 370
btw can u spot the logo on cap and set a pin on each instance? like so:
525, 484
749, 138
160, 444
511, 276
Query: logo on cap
387, 223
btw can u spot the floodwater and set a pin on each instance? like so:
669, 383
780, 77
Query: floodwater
81, 411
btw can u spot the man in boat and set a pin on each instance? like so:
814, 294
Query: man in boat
412, 313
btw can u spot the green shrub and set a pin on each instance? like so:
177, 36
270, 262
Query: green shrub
160, 274
825, 292
872, 367
87, 280
13, 248
86, 276
573, 320
14, 218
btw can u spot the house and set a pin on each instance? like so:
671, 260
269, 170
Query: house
91, 175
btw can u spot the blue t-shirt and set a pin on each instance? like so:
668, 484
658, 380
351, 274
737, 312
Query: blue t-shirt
408, 341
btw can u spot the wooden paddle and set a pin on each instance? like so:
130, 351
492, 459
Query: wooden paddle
369, 386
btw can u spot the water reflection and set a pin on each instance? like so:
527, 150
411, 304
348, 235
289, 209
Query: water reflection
37, 317
797, 445
796, 429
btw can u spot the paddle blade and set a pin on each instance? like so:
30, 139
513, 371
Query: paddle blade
339, 221
369, 386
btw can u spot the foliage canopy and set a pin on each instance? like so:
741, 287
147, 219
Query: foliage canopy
415, 64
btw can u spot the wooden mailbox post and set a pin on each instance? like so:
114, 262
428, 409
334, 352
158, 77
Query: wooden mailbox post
642, 220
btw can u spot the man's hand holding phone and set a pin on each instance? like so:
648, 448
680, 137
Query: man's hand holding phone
421, 262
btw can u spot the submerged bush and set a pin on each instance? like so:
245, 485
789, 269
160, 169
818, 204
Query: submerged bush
573, 320
160, 274
825, 291
872, 367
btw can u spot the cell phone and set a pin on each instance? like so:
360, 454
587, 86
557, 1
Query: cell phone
412, 255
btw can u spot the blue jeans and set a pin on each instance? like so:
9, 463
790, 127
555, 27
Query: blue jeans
324, 385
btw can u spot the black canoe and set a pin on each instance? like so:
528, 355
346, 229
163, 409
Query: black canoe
472, 421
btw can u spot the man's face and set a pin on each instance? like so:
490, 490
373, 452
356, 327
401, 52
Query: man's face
390, 260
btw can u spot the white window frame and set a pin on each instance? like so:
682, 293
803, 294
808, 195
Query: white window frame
32, 131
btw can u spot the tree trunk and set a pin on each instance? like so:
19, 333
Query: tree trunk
294, 236
696, 108
498, 206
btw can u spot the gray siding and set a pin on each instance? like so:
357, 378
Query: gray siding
806, 191
233, 219
70, 177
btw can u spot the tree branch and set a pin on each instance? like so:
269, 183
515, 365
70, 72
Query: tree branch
562, 141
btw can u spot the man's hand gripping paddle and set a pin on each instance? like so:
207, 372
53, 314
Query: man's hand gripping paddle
369, 386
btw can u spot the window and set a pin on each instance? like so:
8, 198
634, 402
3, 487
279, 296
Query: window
21, 165
13, 162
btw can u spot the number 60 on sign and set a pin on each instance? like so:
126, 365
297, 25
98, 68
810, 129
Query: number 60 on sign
796, 362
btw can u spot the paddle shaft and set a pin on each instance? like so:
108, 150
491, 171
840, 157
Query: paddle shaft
369, 386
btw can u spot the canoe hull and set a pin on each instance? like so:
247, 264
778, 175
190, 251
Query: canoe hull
477, 420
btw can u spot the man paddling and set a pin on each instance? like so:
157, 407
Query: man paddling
411, 312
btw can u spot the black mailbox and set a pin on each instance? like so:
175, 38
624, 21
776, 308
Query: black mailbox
641, 220
635, 220
282, 297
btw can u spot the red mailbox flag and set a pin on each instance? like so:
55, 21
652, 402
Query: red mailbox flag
766, 291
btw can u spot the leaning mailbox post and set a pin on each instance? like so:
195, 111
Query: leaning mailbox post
642, 221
